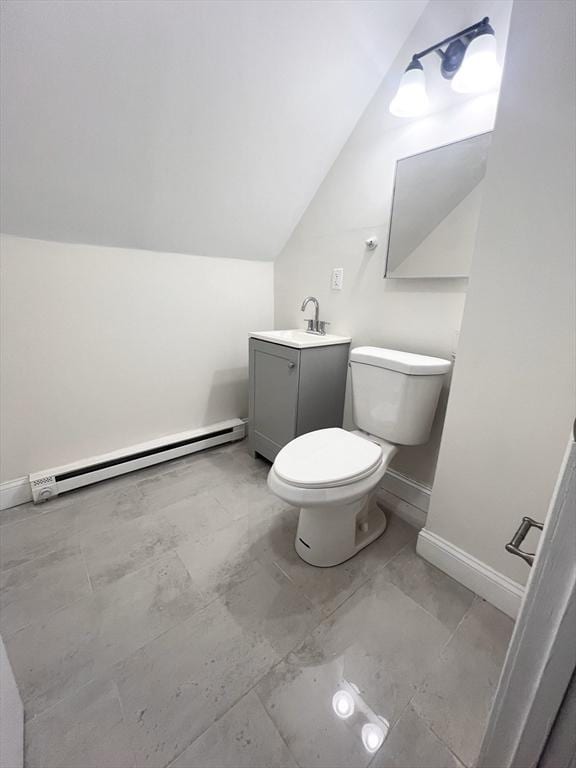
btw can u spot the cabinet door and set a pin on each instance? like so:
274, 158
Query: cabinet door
274, 396
322, 387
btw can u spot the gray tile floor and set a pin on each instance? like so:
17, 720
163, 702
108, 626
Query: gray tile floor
164, 618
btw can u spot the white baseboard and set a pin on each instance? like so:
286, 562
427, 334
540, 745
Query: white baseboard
405, 497
15, 492
494, 587
97, 468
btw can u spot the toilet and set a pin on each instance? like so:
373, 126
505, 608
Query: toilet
332, 474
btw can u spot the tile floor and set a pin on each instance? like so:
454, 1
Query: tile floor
164, 619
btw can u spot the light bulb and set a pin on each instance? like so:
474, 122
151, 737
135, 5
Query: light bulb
479, 70
343, 704
372, 737
411, 99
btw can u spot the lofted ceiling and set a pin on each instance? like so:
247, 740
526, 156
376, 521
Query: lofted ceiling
174, 125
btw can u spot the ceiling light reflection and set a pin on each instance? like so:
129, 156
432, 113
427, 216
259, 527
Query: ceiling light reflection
372, 737
343, 704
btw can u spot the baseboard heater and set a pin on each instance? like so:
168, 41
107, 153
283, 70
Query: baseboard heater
52, 482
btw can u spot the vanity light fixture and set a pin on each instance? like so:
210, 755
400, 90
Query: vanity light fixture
468, 60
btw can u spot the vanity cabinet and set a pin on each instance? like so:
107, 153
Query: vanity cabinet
293, 391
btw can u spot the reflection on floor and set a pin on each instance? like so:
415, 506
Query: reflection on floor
164, 618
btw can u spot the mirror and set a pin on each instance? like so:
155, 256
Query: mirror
435, 209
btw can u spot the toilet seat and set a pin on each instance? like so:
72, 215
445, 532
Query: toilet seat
327, 458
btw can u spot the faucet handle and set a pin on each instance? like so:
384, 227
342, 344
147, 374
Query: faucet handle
309, 325
322, 326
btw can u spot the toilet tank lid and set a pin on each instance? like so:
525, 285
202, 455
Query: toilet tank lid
403, 362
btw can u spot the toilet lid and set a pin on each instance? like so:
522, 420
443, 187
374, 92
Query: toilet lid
326, 458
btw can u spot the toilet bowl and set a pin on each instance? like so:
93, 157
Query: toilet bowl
332, 474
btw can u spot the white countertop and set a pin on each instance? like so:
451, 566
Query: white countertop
299, 339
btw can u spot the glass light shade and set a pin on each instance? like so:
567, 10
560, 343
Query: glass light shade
411, 99
479, 70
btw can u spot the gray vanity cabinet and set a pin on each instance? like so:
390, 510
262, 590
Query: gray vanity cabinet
293, 391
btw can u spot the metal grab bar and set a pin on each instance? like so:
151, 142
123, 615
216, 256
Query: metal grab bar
513, 545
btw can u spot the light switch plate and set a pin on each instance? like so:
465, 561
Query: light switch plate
337, 278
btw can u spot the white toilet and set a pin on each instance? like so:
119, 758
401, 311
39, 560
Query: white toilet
332, 474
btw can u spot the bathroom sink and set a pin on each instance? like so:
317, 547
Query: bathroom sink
299, 339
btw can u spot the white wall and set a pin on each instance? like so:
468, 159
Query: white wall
191, 127
512, 401
103, 348
354, 202
11, 716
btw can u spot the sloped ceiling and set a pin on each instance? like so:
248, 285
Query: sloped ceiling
195, 127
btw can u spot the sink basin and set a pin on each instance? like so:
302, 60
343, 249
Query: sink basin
299, 339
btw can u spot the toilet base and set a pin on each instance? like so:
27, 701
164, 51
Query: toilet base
330, 535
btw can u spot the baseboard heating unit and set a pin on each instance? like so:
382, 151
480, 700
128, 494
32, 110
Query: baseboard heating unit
52, 482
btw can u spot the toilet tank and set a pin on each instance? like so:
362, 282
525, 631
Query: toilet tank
395, 394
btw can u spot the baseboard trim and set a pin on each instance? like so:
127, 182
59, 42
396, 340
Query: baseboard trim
405, 497
15, 492
493, 586
103, 467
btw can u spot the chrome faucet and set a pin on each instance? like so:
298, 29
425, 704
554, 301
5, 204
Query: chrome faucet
315, 325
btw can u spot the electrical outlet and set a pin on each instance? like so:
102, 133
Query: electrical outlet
337, 278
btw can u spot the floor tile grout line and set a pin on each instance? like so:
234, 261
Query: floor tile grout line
301, 592
98, 590
202, 607
32, 560
80, 547
79, 533
315, 605
309, 631
50, 707
124, 719
126, 576
4, 571
397, 554
278, 731
453, 631
441, 740
9, 635
8, 523
322, 619
83, 555
428, 728
109, 670
236, 701
130, 487
418, 688
477, 599
391, 729
448, 641
259, 679
227, 710
131, 479
358, 587
146, 564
